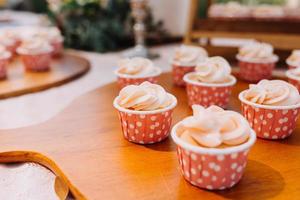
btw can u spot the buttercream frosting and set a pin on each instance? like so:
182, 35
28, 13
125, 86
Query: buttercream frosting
189, 55
294, 58
213, 70
4, 54
136, 66
144, 97
273, 93
257, 51
34, 46
213, 126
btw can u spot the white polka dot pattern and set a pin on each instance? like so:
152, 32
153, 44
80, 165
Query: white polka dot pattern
271, 123
143, 129
178, 72
207, 96
37, 63
123, 82
214, 172
255, 72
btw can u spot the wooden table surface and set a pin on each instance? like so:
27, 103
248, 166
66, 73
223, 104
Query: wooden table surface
63, 69
92, 157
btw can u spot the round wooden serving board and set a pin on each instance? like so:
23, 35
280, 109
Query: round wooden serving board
63, 70
88, 152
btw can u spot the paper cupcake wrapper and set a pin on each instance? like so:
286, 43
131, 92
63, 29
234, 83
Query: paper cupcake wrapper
292, 67
13, 48
146, 128
178, 73
207, 96
295, 83
255, 72
3, 65
123, 82
57, 48
37, 63
271, 123
212, 172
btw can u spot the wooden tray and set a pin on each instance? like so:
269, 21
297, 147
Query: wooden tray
63, 70
88, 152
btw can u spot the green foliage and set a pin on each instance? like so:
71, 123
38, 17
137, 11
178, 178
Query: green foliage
88, 25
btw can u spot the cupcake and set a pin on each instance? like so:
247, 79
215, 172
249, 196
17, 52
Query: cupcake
9, 39
211, 83
230, 10
5, 55
293, 61
268, 12
134, 71
184, 61
212, 147
54, 37
256, 61
293, 76
145, 112
35, 54
272, 108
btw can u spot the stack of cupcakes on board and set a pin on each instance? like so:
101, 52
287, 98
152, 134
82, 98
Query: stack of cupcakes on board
213, 143
36, 46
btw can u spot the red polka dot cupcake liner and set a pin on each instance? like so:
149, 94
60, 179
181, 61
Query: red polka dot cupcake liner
146, 127
254, 71
207, 94
37, 63
270, 122
294, 80
57, 48
3, 65
178, 73
13, 48
212, 168
125, 80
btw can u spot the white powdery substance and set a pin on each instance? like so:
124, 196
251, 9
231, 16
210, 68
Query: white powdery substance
26, 181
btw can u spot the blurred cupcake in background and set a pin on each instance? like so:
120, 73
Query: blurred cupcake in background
212, 147
230, 10
134, 71
269, 12
35, 54
145, 112
184, 61
54, 37
293, 76
271, 107
293, 61
10, 39
211, 83
5, 56
256, 61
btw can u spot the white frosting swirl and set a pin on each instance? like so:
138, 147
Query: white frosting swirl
4, 54
52, 34
273, 93
213, 126
144, 97
257, 51
136, 66
230, 9
268, 11
189, 55
213, 70
8, 37
294, 58
34, 47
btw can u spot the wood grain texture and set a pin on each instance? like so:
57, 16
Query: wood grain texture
96, 162
63, 69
